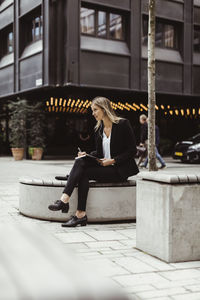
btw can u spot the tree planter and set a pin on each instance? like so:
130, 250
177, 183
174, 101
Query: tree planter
37, 153
18, 153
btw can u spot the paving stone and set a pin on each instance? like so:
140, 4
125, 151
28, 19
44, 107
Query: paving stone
110, 244
185, 265
181, 274
107, 236
108, 268
175, 283
134, 265
193, 288
140, 279
74, 237
158, 294
193, 296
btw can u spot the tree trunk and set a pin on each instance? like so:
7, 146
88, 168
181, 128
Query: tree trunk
151, 87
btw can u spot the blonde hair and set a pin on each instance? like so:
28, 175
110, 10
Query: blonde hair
143, 117
105, 104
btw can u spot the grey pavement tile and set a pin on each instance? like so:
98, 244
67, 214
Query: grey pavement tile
185, 265
103, 244
162, 293
134, 265
193, 296
154, 262
130, 233
176, 283
193, 288
140, 288
140, 279
181, 274
107, 235
74, 237
107, 268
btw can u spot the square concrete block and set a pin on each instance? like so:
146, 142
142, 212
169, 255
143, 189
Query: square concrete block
168, 220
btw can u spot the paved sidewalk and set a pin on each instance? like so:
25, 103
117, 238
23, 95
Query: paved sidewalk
109, 247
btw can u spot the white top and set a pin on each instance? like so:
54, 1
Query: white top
106, 145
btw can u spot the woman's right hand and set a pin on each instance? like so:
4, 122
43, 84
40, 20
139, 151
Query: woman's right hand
81, 154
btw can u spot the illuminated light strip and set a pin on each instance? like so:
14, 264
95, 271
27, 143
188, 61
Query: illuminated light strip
64, 109
188, 111
47, 103
73, 103
193, 111
77, 102
156, 106
171, 112
165, 112
53, 108
49, 108
124, 106
168, 106
129, 105
176, 112
88, 105
60, 102
182, 112
199, 111
85, 103
120, 106
56, 102
136, 106
56, 109
60, 108
64, 102
68, 103
144, 107
162, 106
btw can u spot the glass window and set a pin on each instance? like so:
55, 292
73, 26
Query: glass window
101, 30
169, 36
159, 34
37, 28
165, 34
196, 41
103, 24
87, 21
115, 27
6, 38
10, 42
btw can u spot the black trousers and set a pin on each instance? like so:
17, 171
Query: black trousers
83, 171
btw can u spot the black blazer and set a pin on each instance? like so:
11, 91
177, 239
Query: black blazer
122, 147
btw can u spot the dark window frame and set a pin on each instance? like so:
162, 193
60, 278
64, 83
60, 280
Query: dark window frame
163, 23
27, 25
108, 11
196, 28
4, 37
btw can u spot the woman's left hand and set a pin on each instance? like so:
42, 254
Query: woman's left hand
107, 162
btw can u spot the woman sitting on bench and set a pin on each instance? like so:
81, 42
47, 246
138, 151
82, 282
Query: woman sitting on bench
115, 150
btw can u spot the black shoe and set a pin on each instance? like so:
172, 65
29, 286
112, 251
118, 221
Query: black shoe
162, 167
59, 205
62, 177
74, 221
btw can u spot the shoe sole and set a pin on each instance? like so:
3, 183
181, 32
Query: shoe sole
83, 224
62, 209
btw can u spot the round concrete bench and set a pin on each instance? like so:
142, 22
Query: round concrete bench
106, 201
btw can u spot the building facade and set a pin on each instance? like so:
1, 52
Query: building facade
65, 52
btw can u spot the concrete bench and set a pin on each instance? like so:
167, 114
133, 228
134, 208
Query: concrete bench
106, 201
168, 216
35, 265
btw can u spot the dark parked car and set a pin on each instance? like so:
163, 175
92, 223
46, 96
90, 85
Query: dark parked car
188, 150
